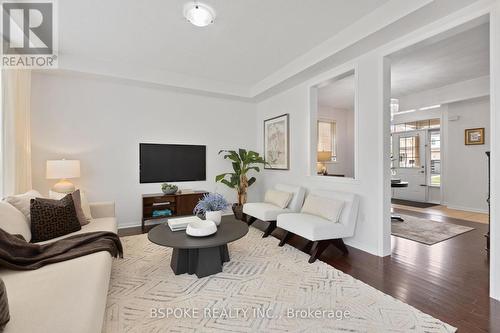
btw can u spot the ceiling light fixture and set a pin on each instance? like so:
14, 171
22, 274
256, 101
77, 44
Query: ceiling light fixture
199, 14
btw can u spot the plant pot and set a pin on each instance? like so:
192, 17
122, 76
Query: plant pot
238, 211
215, 216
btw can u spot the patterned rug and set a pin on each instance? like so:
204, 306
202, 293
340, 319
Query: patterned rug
426, 231
264, 288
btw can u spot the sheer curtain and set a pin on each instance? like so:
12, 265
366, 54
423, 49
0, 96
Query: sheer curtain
16, 132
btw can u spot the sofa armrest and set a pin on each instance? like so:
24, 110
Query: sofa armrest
102, 209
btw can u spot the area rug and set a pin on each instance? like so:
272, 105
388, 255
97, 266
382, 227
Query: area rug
426, 231
264, 288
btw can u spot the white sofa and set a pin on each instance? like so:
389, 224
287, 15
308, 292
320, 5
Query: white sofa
319, 230
69, 296
268, 212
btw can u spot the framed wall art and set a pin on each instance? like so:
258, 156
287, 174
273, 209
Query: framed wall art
277, 143
474, 136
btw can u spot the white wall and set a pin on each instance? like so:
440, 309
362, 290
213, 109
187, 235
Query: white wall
101, 122
478, 87
495, 150
466, 179
297, 102
344, 120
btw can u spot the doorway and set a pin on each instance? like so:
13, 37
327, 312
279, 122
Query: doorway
440, 93
409, 165
416, 160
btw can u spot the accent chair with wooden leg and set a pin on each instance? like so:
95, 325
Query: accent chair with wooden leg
281, 199
326, 218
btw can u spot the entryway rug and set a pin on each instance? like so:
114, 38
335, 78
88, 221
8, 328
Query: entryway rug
426, 231
264, 288
413, 203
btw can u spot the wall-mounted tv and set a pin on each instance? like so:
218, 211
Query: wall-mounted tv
171, 163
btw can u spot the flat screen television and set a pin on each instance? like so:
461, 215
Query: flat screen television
171, 163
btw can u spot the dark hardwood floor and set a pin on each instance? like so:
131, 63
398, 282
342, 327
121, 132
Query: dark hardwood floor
448, 280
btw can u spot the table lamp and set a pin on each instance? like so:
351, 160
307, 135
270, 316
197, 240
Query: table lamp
63, 170
324, 156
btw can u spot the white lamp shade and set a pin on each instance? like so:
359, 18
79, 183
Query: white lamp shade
63, 169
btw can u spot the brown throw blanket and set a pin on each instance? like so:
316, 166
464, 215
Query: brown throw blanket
17, 254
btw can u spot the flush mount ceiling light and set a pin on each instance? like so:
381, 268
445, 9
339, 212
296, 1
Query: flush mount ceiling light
199, 14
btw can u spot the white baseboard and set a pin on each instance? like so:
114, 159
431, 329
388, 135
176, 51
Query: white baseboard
129, 225
351, 242
467, 209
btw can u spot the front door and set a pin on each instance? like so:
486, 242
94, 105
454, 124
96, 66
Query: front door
409, 165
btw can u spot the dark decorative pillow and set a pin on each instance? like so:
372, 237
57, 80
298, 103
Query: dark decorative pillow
52, 218
4, 306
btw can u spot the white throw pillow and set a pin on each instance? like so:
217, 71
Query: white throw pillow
13, 221
84, 202
23, 201
327, 208
278, 198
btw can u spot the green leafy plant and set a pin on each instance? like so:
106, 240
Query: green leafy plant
243, 161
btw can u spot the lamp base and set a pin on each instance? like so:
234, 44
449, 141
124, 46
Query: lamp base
64, 186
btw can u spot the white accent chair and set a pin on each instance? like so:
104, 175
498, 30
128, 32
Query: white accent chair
268, 212
320, 231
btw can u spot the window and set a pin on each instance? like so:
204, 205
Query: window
435, 167
416, 125
423, 124
411, 126
327, 140
409, 152
400, 127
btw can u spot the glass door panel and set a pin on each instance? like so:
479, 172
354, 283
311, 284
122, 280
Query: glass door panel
409, 151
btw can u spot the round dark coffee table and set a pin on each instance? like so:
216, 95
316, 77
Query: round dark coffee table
202, 256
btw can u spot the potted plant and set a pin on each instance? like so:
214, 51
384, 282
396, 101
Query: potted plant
212, 205
242, 161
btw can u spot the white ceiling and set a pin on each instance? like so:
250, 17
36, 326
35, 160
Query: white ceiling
440, 62
443, 60
339, 94
249, 41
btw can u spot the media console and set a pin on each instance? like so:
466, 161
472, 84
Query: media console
180, 204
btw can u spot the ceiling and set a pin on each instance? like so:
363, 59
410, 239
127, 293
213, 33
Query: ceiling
440, 62
339, 94
450, 58
249, 41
